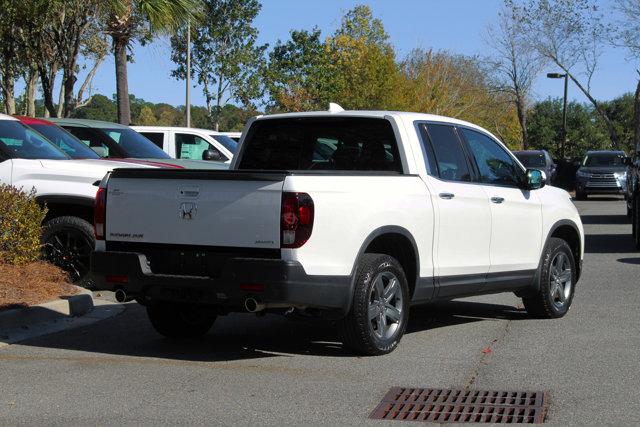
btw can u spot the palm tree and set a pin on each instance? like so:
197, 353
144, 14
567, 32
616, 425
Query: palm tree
128, 20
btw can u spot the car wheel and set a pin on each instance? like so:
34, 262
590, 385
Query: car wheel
67, 242
380, 307
557, 282
635, 222
180, 321
580, 195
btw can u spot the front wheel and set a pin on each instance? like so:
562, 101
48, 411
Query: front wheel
180, 321
380, 308
557, 282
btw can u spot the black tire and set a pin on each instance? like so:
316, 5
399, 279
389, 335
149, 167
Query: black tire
359, 332
635, 222
580, 195
180, 320
544, 304
67, 241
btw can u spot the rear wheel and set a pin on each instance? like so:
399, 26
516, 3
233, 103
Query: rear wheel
179, 320
580, 195
67, 242
380, 308
635, 222
557, 282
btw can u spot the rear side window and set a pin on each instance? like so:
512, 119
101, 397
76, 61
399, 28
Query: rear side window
326, 143
450, 161
155, 137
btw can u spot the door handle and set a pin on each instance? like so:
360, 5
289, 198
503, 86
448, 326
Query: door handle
446, 196
496, 199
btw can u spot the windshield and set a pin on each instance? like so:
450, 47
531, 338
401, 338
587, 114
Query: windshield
135, 145
604, 160
23, 143
227, 142
531, 160
343, 144
65, 141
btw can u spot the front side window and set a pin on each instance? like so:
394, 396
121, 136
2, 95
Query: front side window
322, 143
495, 165
450, 162
189, 146
23, 143
228, 143
98, 142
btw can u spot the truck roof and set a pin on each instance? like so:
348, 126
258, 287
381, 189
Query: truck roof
88, 123
408, 116
176, 128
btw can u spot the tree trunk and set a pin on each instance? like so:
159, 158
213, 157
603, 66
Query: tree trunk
636, 119
60, 107
32, 82
47, 80
7, 84
522, 118
8, 95
68, 82
122, 84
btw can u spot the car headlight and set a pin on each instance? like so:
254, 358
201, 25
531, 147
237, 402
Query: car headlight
582, 174
620, 175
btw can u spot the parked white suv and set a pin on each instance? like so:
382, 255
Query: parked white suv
190, 143
67, 187
353, 216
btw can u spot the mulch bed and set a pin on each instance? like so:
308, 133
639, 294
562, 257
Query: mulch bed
31, 284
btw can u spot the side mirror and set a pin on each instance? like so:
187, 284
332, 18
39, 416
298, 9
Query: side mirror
535, 179
213, 155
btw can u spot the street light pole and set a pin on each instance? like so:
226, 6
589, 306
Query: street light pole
188, 79
564, 114
564, 108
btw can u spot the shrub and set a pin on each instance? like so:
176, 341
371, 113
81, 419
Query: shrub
20, 226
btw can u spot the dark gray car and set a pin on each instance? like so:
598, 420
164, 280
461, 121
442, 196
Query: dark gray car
601, 172
538, 159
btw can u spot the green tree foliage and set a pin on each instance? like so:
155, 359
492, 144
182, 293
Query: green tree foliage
298, 77
226, 58
584, 132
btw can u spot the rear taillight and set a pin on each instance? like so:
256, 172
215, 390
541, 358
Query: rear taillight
296, 219
100, 213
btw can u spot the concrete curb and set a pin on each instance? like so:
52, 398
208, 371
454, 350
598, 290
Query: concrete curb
24, 323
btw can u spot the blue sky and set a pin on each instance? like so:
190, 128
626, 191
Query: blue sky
453, 25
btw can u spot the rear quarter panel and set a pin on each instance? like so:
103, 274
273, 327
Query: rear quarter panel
350, 208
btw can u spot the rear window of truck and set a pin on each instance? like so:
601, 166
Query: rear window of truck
326, 143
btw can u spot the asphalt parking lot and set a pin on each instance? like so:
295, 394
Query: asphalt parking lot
273, 370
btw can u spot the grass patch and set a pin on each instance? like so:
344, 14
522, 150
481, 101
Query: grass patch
32, 283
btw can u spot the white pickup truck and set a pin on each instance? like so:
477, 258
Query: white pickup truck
353, 216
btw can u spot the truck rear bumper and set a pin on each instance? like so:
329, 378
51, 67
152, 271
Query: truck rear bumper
269, 281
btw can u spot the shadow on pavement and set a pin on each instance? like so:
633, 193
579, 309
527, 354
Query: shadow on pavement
635, 261
608, 243
605, 198
604, 219
244, 336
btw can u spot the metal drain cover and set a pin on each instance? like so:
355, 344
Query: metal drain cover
438, 405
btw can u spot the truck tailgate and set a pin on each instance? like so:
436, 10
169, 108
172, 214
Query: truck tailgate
193, 207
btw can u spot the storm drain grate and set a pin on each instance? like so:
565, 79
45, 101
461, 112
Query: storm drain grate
461, 406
